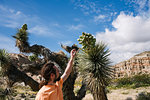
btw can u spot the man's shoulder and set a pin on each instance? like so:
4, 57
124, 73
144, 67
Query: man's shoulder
60, 82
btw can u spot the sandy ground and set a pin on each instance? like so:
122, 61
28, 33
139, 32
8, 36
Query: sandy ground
122, 94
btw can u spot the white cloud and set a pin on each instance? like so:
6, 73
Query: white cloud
11, 18
3, 8
40, 30
99, 18
67, 43
56, 24
14, 19
141, 3
141, 6
43, 30
76, 27
76, 19
8, 44
11, 10
131, 36
86, 6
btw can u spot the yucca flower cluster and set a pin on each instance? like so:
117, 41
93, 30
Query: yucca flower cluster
87, 40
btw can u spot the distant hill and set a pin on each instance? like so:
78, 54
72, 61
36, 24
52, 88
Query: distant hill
138, 64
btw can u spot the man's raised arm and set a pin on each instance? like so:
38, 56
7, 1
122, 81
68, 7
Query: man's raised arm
69, 65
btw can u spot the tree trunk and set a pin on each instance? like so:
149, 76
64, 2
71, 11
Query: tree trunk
81, 93
101, 96
60, 59
68, 89
15, 75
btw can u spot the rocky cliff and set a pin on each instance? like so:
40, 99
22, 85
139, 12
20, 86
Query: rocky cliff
139, 64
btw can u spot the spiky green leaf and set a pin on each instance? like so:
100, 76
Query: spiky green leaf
4, 57
94, 66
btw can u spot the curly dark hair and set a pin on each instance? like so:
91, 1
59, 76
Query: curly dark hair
46, 71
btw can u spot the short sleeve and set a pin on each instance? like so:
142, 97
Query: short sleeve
61, 82
60, 85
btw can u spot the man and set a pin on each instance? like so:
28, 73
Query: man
51, 90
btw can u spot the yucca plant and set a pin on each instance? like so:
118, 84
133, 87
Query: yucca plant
4, 60
94, 66
22, 39
87, 41
4, 66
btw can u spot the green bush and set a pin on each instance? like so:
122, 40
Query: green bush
132, 82
124, 81
143, 96
143, 79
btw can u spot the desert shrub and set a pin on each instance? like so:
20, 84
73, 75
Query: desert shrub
124, 81
143, 79
121, 82
132, 82
143, 96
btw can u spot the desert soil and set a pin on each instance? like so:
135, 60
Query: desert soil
122, 94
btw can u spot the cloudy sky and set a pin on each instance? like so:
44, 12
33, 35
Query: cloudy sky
123, 24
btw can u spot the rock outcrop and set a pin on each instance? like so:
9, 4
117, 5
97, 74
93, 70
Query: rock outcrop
139, 64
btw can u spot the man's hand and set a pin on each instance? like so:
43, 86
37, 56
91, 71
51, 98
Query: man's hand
73, 53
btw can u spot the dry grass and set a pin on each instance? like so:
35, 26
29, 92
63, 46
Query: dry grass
122, 94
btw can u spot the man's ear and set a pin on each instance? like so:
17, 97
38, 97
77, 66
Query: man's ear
52, 75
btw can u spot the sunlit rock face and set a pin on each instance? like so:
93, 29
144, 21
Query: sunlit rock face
139, 64
23, 63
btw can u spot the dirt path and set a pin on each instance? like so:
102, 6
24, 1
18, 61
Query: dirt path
122, 94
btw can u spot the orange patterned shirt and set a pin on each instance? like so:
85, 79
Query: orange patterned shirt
51, 92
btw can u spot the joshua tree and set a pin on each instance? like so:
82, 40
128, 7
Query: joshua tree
19, 65
94, 65
92, 60
13, 74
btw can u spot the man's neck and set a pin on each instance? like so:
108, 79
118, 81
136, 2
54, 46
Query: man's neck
51, 83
